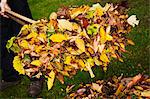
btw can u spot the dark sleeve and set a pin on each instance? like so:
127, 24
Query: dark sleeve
21, 7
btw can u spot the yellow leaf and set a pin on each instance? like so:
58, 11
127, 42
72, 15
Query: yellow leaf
121, 60
90, 61
81, 63
109, 37
32, 34
68, 60
119, 89
50, 79
76, 11
90, 70
146, 93
80, 44
24, 44
96, 61
122, 45
25, 27
90, 50
68, 68
104, 57
59, 65
58, 37
77, 52
65, 73
99, 12
36, 63
102, 35
17, 65
114, 55
38, 48
42, 35
98, 9
130, 42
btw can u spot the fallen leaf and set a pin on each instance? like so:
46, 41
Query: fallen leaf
57, 37
18, 65
104, 57
60, 77
24, 44
81, 63
32, 35
96, 87
102, 35
67, 60
10, 43
146, 93
80, 44
64, 24
119, 90
36, 63
50, 79
130, 42
134, 80
132, 20
90, 70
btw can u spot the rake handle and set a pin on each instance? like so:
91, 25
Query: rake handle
19, 18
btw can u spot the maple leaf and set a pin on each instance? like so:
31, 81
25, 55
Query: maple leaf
132, 20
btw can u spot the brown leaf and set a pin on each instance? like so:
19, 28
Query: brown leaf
135, 80
60, 77
97, 87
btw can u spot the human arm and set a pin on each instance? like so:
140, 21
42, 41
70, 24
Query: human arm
4, 6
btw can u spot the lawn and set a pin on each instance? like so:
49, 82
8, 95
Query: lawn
135, 61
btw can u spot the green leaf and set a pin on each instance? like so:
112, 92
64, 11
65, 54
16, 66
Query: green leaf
15, 48
93, 29
10, 42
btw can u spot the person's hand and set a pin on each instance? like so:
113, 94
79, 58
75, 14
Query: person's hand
4, 6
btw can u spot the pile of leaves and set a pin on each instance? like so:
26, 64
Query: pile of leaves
113, 88
73, 39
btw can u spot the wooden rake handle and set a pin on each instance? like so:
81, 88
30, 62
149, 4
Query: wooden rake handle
19, 18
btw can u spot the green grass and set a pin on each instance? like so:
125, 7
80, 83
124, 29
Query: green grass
135, 61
